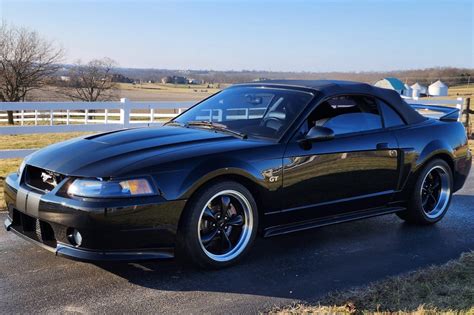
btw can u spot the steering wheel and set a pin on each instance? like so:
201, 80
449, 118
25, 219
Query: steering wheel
272, 123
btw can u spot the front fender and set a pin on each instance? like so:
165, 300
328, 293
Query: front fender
198, 179
181, 182
259, 172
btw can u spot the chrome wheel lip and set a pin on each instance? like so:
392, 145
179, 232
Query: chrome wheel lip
444, 194
247, 227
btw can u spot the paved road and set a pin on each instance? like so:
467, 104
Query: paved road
301, 266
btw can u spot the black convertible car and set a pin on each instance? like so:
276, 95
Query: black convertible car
269, 157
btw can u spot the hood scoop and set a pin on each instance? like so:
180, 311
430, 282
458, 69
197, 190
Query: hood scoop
146, 134
98, 135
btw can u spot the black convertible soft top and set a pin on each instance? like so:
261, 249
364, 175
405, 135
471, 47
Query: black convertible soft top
328, 88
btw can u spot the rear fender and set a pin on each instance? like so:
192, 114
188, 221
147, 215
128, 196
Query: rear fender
433, 148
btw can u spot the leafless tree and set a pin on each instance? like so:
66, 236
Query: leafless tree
92, 82
26, 61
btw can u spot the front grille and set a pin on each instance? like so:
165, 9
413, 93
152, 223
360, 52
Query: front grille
33, 228
41, 179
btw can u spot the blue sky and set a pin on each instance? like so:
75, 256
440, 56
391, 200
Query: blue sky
262, 35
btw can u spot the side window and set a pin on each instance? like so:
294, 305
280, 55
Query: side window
390, 117
347, 114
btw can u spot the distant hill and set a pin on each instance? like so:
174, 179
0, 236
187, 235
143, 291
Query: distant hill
451, 76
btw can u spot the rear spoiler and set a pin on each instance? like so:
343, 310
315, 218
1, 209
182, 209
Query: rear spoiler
442, 113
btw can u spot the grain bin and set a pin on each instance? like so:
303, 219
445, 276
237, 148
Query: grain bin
418, 90
438, 89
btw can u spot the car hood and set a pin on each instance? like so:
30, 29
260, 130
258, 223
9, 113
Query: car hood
110, 154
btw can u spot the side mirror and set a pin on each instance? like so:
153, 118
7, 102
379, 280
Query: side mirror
318, 133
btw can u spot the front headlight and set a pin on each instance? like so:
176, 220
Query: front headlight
113, 188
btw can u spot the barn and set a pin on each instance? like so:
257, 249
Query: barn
392, 84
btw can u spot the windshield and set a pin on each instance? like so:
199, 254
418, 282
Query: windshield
250, 111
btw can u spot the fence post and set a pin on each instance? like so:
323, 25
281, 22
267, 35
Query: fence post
467, 110
106, 116
460, 106
86, 116
68, 116
125, 112
22, 117
51, 117
152, 114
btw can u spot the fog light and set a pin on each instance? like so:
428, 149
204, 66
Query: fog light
75, 238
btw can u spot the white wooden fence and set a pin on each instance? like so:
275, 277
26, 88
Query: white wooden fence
53, 117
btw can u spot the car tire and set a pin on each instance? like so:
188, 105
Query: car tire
218, 226
431, 194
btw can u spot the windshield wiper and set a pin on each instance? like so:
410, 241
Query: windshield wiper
215, 126
174, 123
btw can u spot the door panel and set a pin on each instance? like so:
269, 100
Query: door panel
347, 173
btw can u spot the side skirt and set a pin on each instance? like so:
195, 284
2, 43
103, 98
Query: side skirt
309, 224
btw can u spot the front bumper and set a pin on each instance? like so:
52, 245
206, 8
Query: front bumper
112, 230
95, 255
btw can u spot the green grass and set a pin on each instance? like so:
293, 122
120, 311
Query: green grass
446, 289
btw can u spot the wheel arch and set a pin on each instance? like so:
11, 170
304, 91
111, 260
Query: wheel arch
431, 152
436, 149
238, 176
442, 156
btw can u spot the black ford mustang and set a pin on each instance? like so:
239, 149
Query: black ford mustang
270, 157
